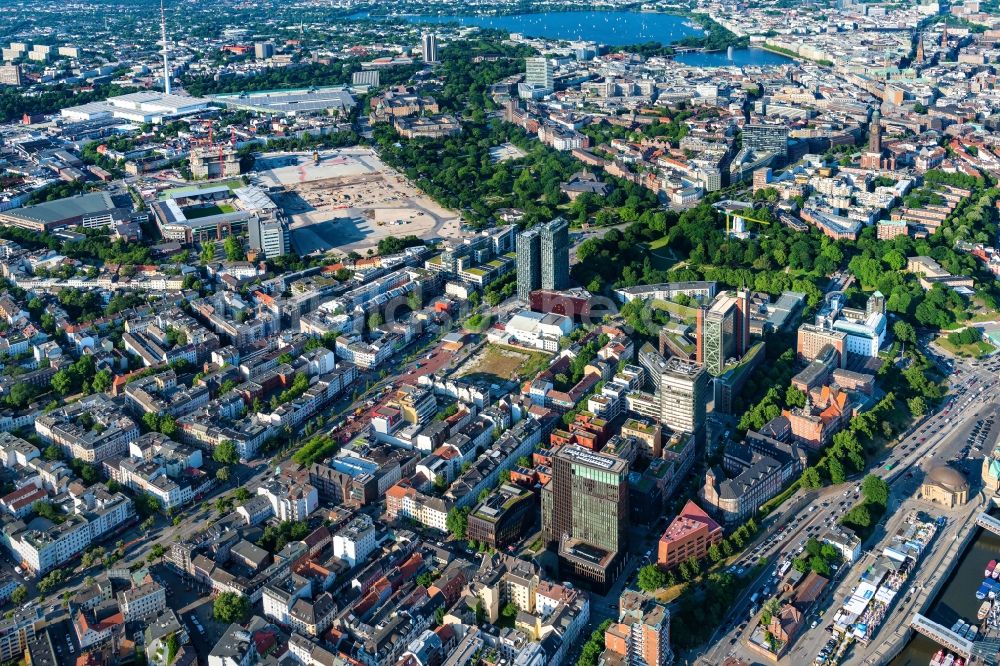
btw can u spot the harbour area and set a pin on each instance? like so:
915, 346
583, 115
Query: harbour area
888, 610
966, 605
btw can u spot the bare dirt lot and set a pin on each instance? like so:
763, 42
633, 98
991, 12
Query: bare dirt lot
499, 362
349, 201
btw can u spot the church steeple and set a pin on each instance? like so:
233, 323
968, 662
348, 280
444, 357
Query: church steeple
875, 133
920, 49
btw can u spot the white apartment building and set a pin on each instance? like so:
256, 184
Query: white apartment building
151, 478
290, 502
43, 550
145, 601
280, 595
355, 541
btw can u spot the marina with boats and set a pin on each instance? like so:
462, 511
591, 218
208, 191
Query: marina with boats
965, 616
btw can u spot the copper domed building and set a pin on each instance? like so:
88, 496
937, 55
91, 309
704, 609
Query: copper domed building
946, 486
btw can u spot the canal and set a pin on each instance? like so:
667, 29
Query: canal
957, 598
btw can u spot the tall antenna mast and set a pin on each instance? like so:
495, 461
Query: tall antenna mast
166, 53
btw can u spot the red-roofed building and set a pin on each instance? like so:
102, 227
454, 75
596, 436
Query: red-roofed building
264, 641
690, 534
97, 625
407, 570
19, 502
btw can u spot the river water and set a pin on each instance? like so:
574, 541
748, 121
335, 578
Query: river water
958, 598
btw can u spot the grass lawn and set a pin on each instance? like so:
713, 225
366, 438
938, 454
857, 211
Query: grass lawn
208, 211
477, 323
777, 501
682, 311
661, 242
662, 256
668, 594
975, 350
982, 317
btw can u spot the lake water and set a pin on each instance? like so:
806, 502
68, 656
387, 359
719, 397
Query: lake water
741, 58
611, 28
958, 598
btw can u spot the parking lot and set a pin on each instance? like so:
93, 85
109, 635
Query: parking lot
193, 606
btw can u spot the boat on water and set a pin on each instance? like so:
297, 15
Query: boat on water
996, 572
988, 589
959, 661
938, 659
972, 633
955, 627
990, 567
949, 660
984, 611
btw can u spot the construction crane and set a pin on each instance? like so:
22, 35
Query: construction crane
734, 219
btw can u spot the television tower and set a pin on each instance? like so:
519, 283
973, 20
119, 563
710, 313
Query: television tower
166, 53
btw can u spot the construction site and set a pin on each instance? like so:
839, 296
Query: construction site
347, 199
211, 160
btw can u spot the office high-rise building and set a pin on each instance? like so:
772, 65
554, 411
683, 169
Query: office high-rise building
529, 262
718, 333
539, 72
263, 50
766, 139
723, 331
543, 258
269, 237
585, 510
555, 255
742, 322
429, 44
683, 393
588, 499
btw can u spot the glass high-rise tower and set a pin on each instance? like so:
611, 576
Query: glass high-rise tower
555, 255
587, 498
543, 258
529, 262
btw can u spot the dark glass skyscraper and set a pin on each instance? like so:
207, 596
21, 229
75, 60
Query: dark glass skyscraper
588, 498
529, 262
555, 255
543, 258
